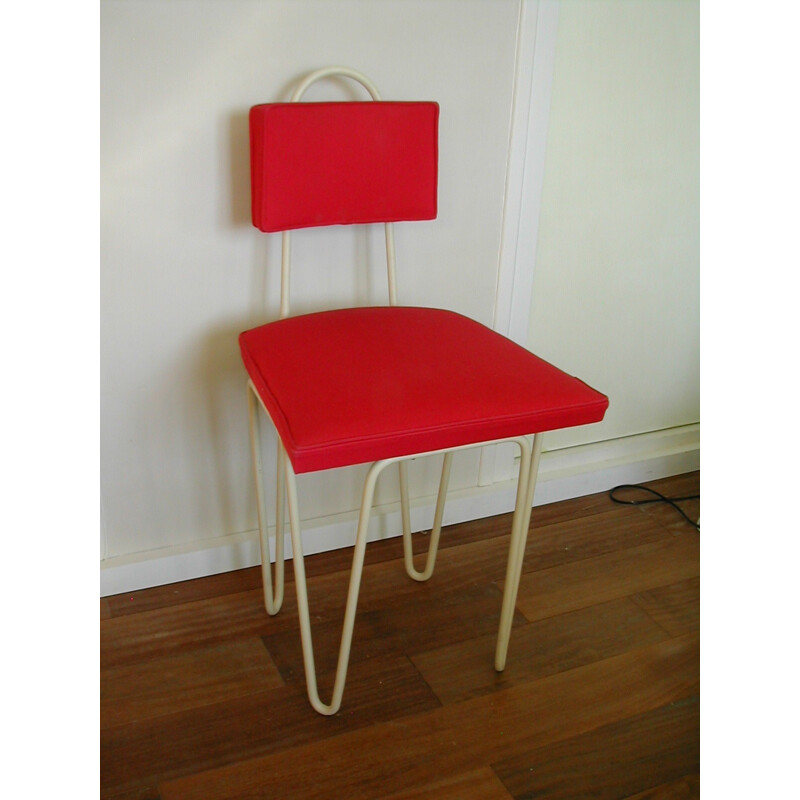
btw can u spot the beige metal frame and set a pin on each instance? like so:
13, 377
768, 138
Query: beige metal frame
526, 484
273, 599
287, 494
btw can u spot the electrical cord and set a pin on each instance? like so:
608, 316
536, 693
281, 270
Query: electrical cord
659, 498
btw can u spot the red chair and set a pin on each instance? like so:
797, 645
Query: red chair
380, 384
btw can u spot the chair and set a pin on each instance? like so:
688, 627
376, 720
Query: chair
379, 384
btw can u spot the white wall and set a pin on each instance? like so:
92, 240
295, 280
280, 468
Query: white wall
616, 282
183, 271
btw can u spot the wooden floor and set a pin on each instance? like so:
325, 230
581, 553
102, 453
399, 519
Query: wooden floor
203, 695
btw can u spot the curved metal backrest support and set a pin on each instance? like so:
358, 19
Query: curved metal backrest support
286, 240
330, 72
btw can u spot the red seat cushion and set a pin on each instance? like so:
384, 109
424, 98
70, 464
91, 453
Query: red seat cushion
364, 384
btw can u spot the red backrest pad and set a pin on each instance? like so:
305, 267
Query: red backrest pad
342, 163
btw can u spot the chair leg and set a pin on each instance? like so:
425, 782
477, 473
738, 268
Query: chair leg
272, 600
436, 530
528, 469
352, 594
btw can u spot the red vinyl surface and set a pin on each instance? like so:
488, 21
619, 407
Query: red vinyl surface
363, 384
342, 163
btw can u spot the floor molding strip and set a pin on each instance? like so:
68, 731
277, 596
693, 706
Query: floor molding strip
572, 472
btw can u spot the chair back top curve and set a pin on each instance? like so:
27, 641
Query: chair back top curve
342, 163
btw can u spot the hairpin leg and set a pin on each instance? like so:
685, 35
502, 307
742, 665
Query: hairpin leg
352, 594
529, 462
272, 601
436, 530
528, 469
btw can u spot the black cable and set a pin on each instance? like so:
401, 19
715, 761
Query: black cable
659, 498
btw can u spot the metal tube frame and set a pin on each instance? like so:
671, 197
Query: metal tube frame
273, 599
287, 482
436, 530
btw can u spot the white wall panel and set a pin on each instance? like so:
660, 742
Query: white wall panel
183, 272
616, 281
615, 278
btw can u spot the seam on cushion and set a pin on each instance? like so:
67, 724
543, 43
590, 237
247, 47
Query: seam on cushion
296, 226
380, 438
277, 406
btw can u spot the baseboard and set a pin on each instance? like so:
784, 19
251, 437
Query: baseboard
563, 474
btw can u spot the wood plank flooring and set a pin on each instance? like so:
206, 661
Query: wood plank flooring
203, 694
